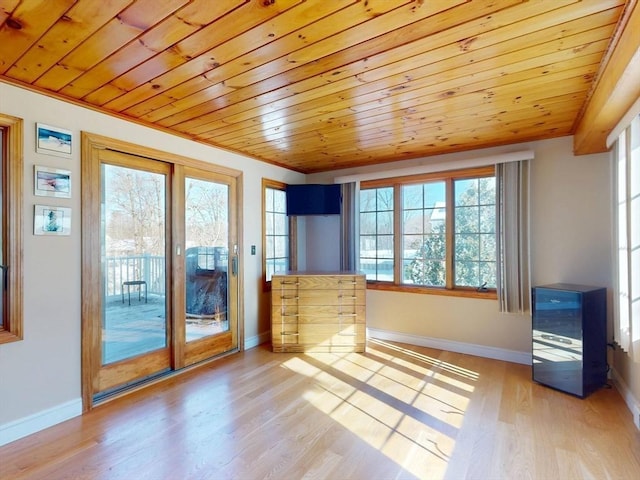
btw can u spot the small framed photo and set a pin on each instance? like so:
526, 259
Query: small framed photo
49, 220
52, 182
53, 140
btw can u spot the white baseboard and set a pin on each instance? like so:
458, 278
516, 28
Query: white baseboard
453, 346
22, 427
629, 398
256, 340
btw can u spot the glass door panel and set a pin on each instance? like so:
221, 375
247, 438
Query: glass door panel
134, 334
206, 257
209, 308
134, 263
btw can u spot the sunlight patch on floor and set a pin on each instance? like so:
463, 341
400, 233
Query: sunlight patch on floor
406, 405
432, 362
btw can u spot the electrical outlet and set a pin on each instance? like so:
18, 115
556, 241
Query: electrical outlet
253, 249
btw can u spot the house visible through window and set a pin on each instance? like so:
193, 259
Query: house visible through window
435, 231
278, 253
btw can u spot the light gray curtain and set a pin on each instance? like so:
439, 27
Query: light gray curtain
514, 285
349, 227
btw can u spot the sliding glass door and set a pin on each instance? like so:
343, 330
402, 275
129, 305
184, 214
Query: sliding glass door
162, 259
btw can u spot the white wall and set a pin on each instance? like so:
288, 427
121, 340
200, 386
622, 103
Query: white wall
570, 242
40, 376
321, 232
571, 216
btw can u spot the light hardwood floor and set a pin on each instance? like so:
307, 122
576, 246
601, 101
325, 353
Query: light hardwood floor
396, 411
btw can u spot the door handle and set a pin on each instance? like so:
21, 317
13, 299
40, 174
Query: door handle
234, 265
5, 271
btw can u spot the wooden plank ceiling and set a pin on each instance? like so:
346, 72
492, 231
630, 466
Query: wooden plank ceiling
316, 85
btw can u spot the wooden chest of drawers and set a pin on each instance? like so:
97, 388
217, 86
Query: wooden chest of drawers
318, 312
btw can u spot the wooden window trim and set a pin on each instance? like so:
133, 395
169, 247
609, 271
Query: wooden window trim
12, 329
448, 177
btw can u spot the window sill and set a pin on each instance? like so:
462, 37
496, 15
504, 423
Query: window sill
8, 337
459, 292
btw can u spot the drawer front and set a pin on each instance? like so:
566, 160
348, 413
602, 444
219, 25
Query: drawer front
302, 348
284, 310
319, 334
344, 319
284, 335
318, 297
309, 313
319, 315
306, 320
327, 311
289, 320
331, 311
322, 282
279, 282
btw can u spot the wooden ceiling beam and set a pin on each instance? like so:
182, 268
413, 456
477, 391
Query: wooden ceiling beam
616, 90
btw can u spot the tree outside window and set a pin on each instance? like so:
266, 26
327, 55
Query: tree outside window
448, 231
475, 232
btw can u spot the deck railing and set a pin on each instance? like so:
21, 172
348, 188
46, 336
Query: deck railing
149, 268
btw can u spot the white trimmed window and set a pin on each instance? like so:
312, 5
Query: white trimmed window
627, 238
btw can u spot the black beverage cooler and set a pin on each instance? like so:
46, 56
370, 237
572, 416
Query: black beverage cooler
570, 337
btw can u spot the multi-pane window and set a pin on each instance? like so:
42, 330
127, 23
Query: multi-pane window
277, 230
423, 234
626, 318
444, 235
474, 259
376, 233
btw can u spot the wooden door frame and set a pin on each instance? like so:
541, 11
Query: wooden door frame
91, 238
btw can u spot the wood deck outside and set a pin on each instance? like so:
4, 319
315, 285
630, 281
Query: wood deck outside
140, 327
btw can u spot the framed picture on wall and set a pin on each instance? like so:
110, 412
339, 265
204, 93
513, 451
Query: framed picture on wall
51, 220
53, 140
52, 182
